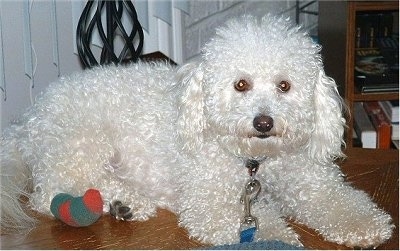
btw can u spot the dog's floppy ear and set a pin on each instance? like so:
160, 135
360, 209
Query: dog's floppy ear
327, 138
191, 115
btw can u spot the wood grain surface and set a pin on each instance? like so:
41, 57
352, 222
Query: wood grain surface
376, 172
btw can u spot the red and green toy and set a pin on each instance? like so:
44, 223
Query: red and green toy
78, 211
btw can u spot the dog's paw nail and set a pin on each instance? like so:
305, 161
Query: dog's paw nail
113, 207
120, 211
123, 210
128, 216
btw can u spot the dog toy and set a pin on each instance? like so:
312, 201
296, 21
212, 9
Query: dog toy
78, 211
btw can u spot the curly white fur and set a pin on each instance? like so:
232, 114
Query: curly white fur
155, 136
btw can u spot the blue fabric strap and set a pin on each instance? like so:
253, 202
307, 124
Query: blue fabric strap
247, 235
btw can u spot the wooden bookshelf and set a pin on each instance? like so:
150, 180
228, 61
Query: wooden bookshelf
337, 29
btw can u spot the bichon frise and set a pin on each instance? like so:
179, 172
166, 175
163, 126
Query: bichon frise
151, 135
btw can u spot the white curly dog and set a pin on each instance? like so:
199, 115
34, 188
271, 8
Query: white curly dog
151, 135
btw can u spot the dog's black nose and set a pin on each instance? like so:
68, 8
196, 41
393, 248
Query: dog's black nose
263, 123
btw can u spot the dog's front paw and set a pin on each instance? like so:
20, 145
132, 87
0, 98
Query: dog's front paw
365, 233
273, 226
119, 211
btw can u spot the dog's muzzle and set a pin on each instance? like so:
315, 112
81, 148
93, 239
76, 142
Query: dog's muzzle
263, 124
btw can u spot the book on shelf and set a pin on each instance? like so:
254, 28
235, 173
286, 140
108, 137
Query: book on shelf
380, 122
363, 127
395, 131
372, 25
391, 109
356, 140
396, 143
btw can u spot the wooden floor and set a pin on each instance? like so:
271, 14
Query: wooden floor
375, 172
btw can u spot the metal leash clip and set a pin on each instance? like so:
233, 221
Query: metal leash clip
249, 224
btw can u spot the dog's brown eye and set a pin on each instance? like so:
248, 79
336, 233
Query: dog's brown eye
242, 86
284, 86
